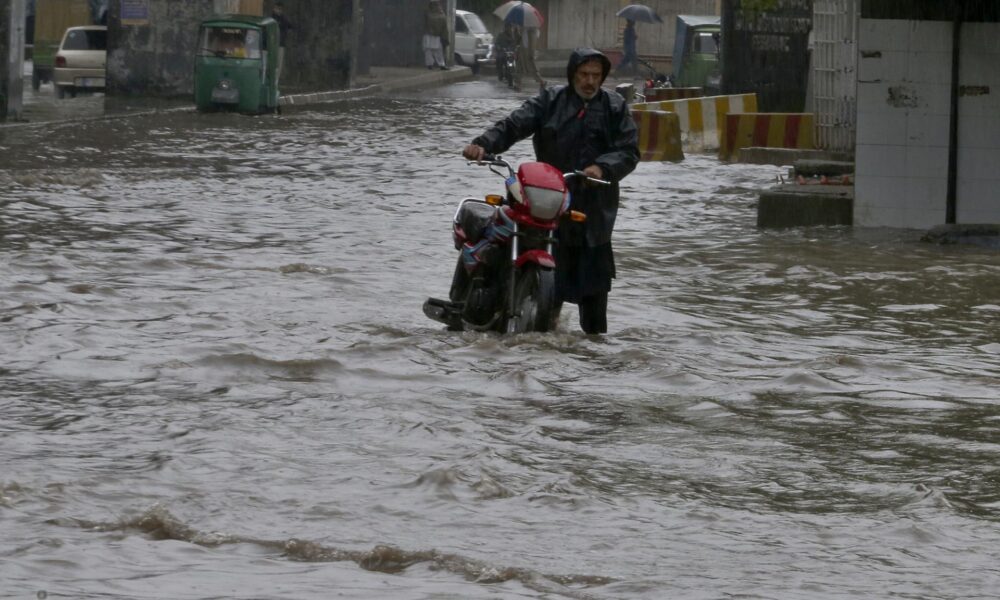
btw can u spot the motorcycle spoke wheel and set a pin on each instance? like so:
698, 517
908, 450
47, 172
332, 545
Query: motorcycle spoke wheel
534, 300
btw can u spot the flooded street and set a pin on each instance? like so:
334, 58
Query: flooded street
217, 380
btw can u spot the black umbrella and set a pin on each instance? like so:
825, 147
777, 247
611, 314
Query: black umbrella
639, 12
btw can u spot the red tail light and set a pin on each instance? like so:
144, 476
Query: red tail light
61, 61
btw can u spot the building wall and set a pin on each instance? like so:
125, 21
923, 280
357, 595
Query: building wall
156, 58
904, 115
904, 104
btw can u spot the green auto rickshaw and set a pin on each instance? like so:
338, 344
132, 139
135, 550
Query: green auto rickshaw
236, 66
696, 53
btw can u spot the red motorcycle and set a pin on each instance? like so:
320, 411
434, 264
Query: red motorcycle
505, 277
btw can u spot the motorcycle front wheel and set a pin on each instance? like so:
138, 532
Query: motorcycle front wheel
534, 300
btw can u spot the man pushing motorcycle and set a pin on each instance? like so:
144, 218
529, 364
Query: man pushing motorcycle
578, 127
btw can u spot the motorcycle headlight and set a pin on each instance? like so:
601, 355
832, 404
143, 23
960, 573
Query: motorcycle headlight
545, 203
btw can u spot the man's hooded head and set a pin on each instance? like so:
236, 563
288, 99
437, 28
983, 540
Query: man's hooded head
586, 71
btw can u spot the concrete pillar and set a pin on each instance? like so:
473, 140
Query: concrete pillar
320, 51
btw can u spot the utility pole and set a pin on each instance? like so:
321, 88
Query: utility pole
12, 73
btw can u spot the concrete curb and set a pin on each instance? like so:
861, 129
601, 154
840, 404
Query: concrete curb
416, 81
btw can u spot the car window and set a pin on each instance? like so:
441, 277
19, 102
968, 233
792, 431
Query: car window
85, 39
475, 24
460, 26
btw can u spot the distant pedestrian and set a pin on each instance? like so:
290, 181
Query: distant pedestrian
284, 25
630, 39
435, 32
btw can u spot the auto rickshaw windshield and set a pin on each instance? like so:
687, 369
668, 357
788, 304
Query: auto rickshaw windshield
230, 42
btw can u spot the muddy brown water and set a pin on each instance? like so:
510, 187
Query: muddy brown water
217, 381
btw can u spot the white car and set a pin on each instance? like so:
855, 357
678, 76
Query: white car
473, 43
81, 60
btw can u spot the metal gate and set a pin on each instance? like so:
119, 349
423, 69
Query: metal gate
834, 69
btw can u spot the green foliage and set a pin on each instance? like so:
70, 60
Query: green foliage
759, 5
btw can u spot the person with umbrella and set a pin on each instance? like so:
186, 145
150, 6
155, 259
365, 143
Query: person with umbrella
529, 20
630, 60
577, 127
633, 13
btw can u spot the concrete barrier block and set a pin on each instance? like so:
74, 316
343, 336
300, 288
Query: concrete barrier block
703, 120
659, 135
768, 130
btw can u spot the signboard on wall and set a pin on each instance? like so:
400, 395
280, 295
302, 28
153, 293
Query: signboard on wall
135, 12
765, 50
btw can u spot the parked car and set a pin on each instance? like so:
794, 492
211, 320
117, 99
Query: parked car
81, 60
473, 42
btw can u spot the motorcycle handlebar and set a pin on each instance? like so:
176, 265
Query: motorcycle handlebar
492, 160
568, 176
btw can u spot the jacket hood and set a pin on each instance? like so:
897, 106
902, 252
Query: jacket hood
581, 55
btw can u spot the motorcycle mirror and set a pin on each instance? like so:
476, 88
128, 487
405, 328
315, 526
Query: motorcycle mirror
494, 199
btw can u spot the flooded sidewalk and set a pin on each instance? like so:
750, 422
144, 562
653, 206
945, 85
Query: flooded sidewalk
43, 106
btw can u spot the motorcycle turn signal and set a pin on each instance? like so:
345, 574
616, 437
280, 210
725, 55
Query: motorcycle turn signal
577, 216
494, 199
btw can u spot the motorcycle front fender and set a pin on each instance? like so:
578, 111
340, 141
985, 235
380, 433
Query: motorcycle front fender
539, 257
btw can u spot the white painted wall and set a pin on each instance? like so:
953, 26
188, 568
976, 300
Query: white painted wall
979, 126
904, 107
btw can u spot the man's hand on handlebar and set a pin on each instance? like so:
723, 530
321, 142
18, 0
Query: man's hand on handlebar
474, 152
594, 171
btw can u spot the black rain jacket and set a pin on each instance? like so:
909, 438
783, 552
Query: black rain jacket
572, 134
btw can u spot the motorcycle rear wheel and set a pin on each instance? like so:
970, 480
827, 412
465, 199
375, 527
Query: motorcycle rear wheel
534, 300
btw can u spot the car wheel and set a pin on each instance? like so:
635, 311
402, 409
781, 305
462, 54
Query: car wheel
36, 80
60, 92
458, 59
